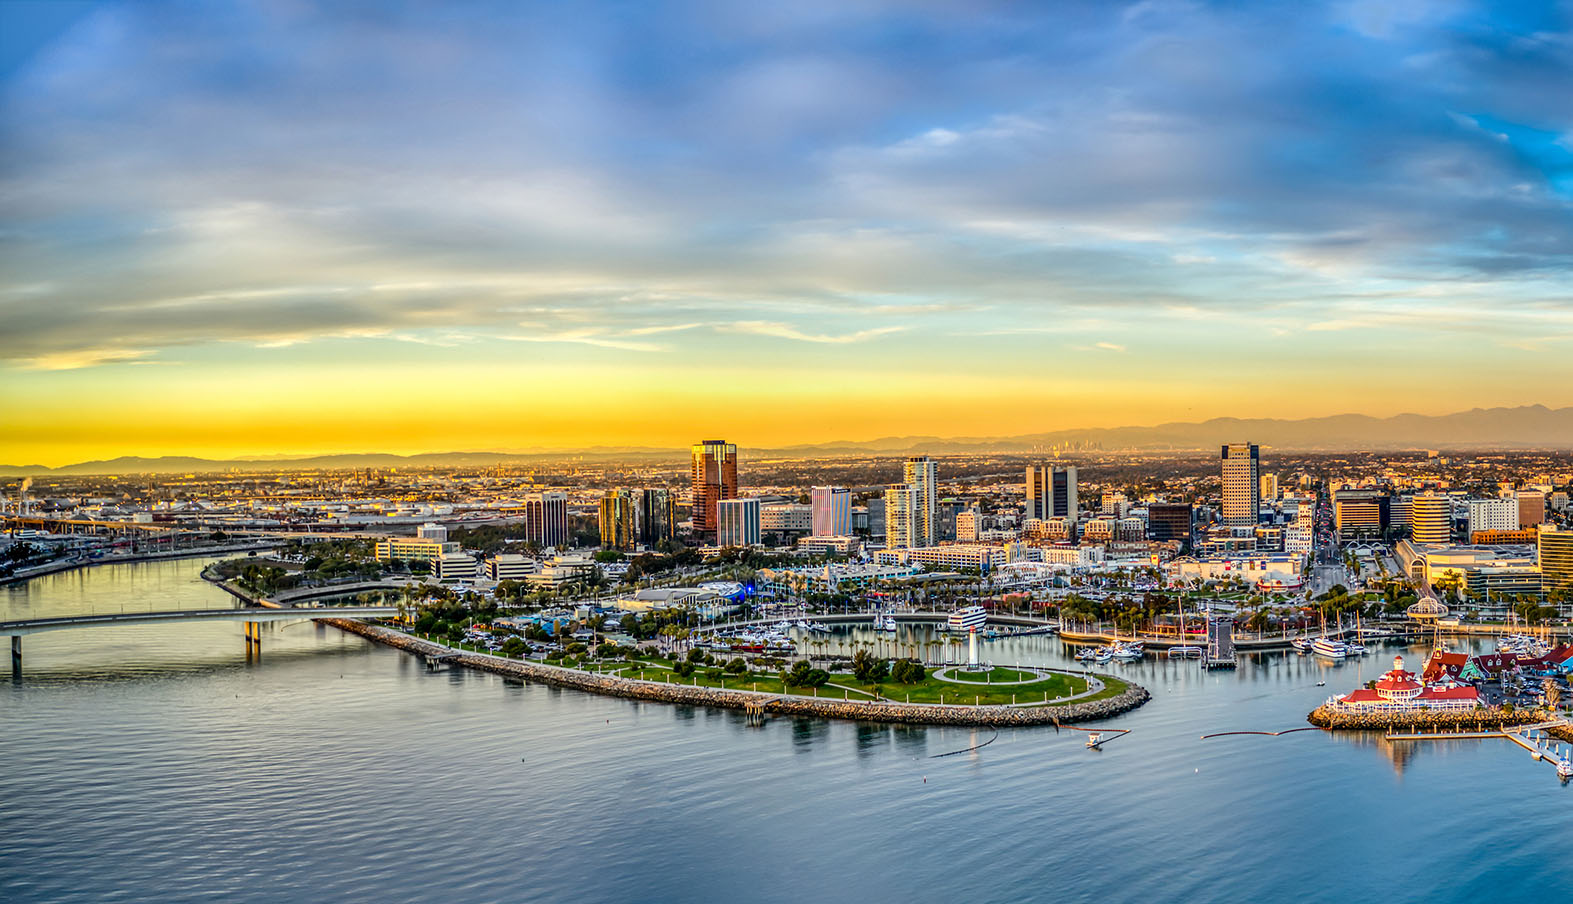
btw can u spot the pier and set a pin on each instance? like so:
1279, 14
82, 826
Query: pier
1522, 735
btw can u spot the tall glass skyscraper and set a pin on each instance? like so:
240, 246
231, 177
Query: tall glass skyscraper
918, 473
713, 478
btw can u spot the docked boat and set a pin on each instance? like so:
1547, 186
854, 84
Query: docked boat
1353, 648
967, 618
1565, 769
1126, 652
884, 622
1102, 654
1330, 648
1302, 644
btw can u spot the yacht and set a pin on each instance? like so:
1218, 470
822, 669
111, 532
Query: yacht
884, 622
1354, 649
1332, 649
1301, 644
967, 618
1102, 654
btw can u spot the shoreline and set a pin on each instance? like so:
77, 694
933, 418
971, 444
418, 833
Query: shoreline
63, 567
753, 701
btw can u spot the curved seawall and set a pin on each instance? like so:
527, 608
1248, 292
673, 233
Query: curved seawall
775, 704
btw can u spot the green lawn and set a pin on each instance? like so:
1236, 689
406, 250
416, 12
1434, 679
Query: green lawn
985, 676
932, 690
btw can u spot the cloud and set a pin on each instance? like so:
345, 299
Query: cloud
785, 331
1109, 346
81, 358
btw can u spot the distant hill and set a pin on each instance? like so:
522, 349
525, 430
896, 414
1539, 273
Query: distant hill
1525, 427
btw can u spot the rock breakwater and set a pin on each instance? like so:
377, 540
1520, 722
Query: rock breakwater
774, 704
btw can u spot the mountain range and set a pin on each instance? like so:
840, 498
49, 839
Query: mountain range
1524, 427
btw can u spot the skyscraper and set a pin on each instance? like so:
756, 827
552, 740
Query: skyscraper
918, 473
619, 522
655, 515
546, 518
1554, 551
901, 516
1040, 503
1269, 487
1431, 518
1531, 508
737, 522
714, 478
832, 511
1242, 487
1062, 494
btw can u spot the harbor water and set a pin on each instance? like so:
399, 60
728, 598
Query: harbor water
159, 763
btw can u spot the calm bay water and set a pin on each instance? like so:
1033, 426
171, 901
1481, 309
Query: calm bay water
157, 763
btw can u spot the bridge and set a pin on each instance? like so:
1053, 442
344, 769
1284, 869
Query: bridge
252, 617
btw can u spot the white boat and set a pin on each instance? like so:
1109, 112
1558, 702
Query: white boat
1102, 654
1302, 644
1094, 739
1332, 649
967, 618
1565, 769
884, 622
1127, 652
1354, 649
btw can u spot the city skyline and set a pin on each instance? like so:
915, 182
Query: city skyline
220, 221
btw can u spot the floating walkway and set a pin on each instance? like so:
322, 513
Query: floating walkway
1523, 735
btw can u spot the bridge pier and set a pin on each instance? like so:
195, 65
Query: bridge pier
253, 639
16, 655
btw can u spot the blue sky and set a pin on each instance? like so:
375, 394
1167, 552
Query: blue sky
1028, 203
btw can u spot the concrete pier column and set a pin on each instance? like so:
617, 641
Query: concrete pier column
16, 655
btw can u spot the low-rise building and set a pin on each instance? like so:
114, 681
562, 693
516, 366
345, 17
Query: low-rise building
960, 555
418, 549
509, 567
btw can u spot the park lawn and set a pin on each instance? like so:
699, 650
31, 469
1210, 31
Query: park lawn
932, 690
997, 674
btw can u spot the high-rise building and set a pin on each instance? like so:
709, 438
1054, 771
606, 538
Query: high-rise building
737, 522
1062, 494
656, 515
713, 474
1360, 513
901, 526
967, 526
1170, 521
1493, 514
1269, 487
1554, 552
546, 518
1431, 518
832, 511
619, 520
1051, 493
1040, 500
1531, 508
919, 474
1242, 500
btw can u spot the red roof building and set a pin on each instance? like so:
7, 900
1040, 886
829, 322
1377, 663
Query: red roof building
1401, 689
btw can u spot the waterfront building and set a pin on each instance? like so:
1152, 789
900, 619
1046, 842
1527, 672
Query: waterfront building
509, 567
455, 566
1242, 501
1275, 570
1077, 556
546, 519
918, 473
1493, 514
561, 571
413, 549
901, 528
1488, 576
737, 522
781, 582
959, 555
1431, 519
1360, 514
432, 531
1403, 690
1531, 508
713, 478
832, 511
786, 518
1554, 553
1170, 521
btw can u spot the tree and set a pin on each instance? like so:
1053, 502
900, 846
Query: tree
804, 675
514, 647
869, 668
737, 666
908, 671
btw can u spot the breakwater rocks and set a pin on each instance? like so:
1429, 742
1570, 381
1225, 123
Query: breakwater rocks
774, 704
1326, 716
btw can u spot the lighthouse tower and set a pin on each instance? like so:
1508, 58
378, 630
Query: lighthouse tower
972, 649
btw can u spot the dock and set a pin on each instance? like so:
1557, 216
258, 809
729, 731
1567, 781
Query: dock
1220, 644
1522, 735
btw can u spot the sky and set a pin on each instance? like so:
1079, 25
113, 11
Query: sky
289, 228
